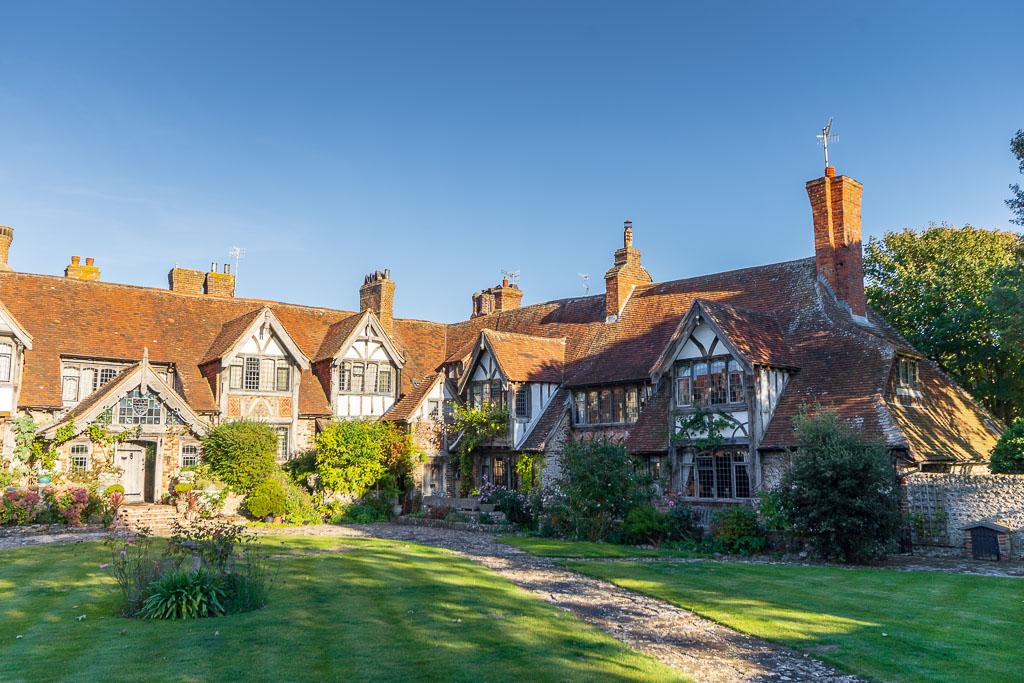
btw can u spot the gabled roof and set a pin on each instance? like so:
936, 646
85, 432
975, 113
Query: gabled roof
556, 411
20, 333
235, 331
341, 335
525, 358
107, 396
406, 406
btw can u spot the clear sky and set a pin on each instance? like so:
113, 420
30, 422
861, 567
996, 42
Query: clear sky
448, 141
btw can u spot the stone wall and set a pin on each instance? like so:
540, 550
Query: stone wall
941, 505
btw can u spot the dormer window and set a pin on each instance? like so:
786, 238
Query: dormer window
81, 378
714, 382
486, 393
357, 377
523, 403
908, 377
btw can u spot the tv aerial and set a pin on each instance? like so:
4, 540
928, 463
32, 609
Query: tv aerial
826, 137
512, 275
237, 253
585, 277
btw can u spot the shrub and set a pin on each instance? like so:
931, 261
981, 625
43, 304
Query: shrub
298, 505
839, 495
735, 530
598, 486
268, 499
241, 454
1008, 455
70, 505
371, 509
19, 507
184, 595
646, 525
515, 505
353, 456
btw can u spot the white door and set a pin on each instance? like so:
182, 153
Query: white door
131, 458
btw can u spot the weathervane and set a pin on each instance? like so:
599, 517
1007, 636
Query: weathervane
825, 137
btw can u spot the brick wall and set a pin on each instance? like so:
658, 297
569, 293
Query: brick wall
941, 505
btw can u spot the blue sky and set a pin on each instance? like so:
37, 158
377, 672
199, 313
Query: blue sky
448, 141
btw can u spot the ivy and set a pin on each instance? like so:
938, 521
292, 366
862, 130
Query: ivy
702, 431
478, 426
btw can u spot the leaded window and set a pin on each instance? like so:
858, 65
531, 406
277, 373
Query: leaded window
283, 377
136, 409
709, 382
358, 375
722, 474
189, 455
79, 457
523, 403
371, 377
6, 356
235, 373
486, 393
384, 379
908, 373
252, 374
103, 376
267, 377
345, 376
282, 444
619, 404
69, 387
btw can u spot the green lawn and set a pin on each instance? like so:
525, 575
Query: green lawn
883, 624
342, 609
554, 547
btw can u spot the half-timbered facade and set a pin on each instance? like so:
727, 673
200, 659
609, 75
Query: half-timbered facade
650, 364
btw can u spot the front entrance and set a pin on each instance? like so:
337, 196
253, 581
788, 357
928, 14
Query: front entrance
137, 462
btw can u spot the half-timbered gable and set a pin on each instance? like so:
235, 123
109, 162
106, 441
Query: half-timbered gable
14, 342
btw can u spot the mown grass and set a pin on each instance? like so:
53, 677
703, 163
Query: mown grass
882, 624
341, 609
555, 547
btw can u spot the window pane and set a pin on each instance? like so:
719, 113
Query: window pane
735, 382
371, 378
592, 415
477, 394
189, 455
606, 405
497, 395
717, 394
282, 444
632, 405
723, 476
742, 481
619, 404
523, 403
6, 353
106, 375
683, 389
345, 377
252, 374
384, 379
705, 477
701, 384
433, 408
500, 472
136, 409
357, 378
235, 376
267, 366
79, 457
282, 377
580, 398
69, 388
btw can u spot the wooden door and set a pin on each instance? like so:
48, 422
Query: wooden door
131, 459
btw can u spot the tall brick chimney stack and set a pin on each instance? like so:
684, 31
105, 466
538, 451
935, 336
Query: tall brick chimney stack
76, 271
186, 280
504, 297
623, 277
378, 295
220, 284
835, 207
6, 237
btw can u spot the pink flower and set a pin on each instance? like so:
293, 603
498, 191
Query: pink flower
104, 565
124, 554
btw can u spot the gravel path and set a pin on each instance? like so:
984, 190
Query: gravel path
22, 540
693, 645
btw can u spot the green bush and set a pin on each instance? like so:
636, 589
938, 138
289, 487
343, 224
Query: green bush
269, 498
646, 525
241, 454
298, 505
115, 488
363, 512
353, 456
839, 495
1008, 455
184, 595
735, 530
599, 485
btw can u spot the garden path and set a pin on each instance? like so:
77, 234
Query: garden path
695, 646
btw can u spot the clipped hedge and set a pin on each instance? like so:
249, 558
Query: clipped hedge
241, 454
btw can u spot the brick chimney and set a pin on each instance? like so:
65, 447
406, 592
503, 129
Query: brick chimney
186, 280
835, 207
378, 295
76, 271
624, 276
6, 237
220, 284
504, 297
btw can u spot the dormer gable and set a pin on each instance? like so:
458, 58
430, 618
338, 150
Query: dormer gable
9, 325
258, 332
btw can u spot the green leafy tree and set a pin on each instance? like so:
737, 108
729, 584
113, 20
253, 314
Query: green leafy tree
936, 287
1016, 202
1008, 455
241, 454
353, 456
477, 426
839, 494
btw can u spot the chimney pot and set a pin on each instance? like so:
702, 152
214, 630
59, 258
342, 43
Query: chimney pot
75, 260
213, 266
378, 295
830, 171
625, 274
76, 271
227, 269
90, 261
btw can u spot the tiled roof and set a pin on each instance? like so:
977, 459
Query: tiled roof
229, 335
556, 409
525, 358
336, 336
406, 406
756, 335
86, 404
650, 433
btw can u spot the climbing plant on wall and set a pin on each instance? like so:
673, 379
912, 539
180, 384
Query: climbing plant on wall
478, 426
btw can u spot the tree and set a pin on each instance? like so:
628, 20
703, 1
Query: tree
353, 456
1008, 455
241, 454
936, 287
1016, 202
839, 494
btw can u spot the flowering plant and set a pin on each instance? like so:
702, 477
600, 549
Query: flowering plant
20, 506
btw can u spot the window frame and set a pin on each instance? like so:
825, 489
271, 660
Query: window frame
708, 382
82, 453
705, 470
182, 455
607, 405
282, 443
369, 380
524, 412
6, 352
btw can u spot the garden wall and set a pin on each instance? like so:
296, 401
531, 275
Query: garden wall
941, 505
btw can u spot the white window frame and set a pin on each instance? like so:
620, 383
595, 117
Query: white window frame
283, 450
79, 450
182, 455
6, 361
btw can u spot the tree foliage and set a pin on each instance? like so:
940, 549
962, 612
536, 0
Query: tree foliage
477, 426
1016, 202
353, 456
839, 494
945, 289
1008, 455
241, 454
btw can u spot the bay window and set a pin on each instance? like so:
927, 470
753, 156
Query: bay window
486, 393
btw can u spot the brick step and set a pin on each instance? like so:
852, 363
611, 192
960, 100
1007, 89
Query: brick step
159, 519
